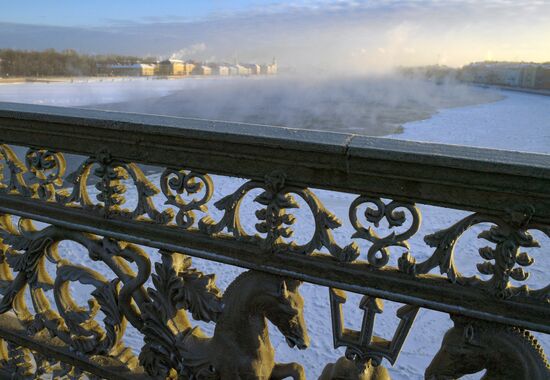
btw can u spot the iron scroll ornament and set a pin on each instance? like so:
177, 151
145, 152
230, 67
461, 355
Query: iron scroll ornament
502, 263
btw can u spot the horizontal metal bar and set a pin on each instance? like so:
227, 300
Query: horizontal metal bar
475, 179
431, 292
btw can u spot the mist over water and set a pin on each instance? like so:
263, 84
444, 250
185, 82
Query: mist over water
372, 105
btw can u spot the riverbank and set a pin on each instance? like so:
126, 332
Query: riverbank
515, 89
21, 80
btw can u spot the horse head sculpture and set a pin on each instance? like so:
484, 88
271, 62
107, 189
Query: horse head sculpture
505, 352
284, 307
240, 347
251, 300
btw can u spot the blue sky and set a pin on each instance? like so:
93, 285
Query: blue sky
107, 12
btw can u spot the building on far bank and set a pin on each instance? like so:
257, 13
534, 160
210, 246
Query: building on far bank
498, 73
189, 67
176, 67
269, 69
475, 73
242, 70
219, 69
233, 70
526, 75
171, 67
542, 80
132, 70
529, 76
253, 68
508, 75
202, 70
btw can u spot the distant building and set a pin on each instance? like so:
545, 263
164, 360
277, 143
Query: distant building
202, 70
176, 67
269, 69
242, 70
496, 73
132, 70
189, 67
542, 80
475, 73
254, 68
508, 75
529, 76
171, 67
219, 69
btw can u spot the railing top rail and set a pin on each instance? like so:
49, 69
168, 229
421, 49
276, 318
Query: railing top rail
447, 175
483, 159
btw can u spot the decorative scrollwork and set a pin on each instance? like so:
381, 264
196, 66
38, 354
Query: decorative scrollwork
16, 183
274, 221
27, 250
394, 217
175, 182
23, 363
111, 174
17, 360
509, 233
48, 169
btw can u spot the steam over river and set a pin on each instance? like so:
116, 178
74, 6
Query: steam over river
373, 106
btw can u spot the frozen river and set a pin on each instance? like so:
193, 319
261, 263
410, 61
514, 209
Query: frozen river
520, 121
517, 122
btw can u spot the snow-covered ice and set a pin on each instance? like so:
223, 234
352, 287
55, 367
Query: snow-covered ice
519, 122
96, 90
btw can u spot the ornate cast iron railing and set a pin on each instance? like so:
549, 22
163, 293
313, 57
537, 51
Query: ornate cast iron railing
45, 331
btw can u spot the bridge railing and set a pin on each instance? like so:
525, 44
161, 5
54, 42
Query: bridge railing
143, 194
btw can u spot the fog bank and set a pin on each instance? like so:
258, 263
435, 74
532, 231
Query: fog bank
371, 105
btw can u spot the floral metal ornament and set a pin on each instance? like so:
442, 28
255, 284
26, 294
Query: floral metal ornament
503, 262
274, 220
15, 182
48, 169
174, 183
111, 174
393, 212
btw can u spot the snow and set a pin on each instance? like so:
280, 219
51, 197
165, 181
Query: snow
86, 91
519, 122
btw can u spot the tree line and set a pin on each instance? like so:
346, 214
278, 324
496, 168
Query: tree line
47, 63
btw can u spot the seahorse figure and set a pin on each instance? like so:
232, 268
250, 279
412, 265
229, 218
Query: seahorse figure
505, 352
240, 347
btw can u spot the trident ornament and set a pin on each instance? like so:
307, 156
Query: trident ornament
362, 346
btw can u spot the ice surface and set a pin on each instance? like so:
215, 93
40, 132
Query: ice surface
519, 122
